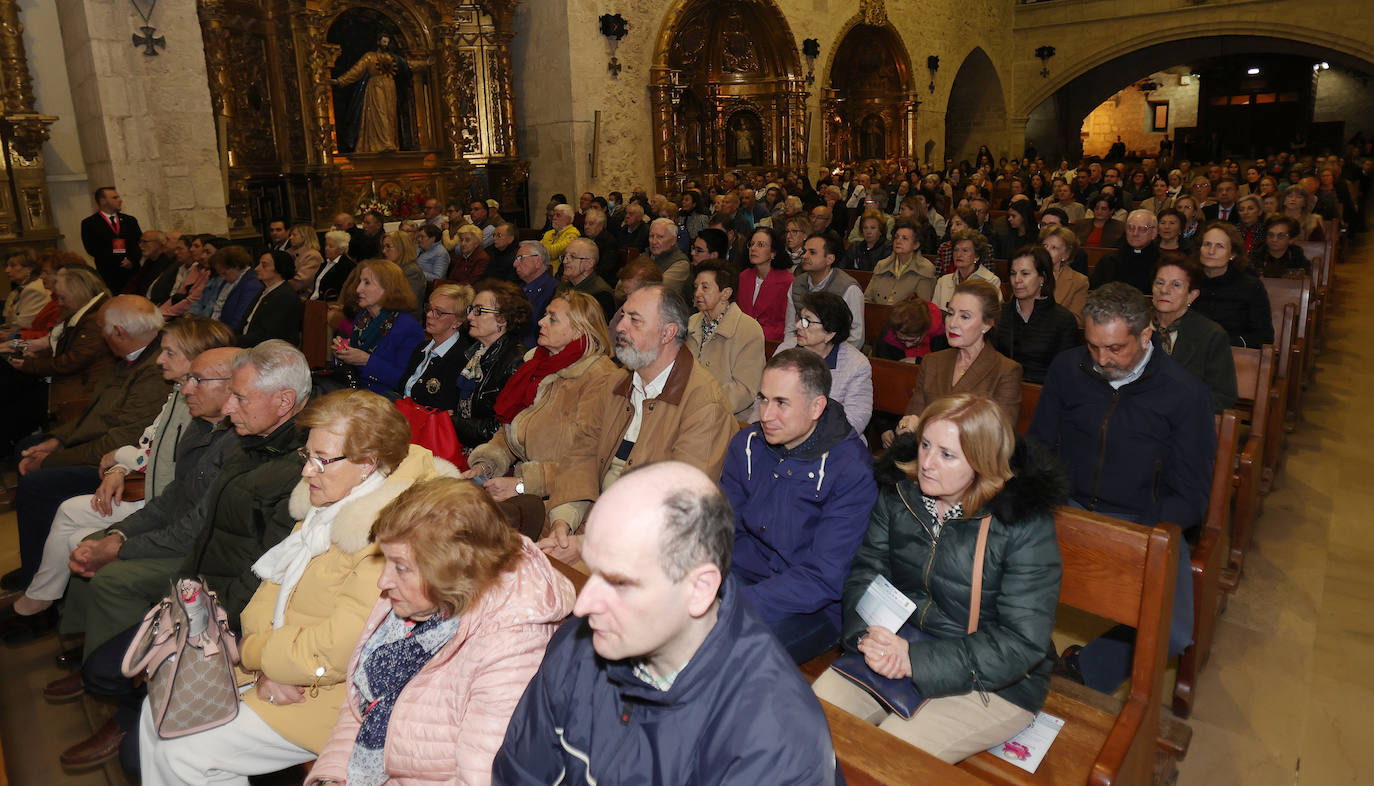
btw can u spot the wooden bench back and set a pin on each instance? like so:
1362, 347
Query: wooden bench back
875, 319
1030, 399
1290, 291
315, 333
1095, 254
1223, 471
1112, 570
1254, 378
862, 277
893, 384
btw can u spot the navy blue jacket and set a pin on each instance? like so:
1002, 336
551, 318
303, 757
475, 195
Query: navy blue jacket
739, 712
800, 515
1143, 452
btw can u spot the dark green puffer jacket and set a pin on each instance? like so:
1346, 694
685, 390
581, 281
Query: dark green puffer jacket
1010, 654
247, 513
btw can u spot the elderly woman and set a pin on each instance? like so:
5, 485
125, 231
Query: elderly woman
153, 459
433, 258
972, 255
432, 371
338, 265
399, 248
1100, 229
304, 246
496, 319
1297, 205
468, 607
74, 353
904, 274
872, 246
1170, 238
1070, 286
1033, 327
470, 260
1232, 295
971, 364
910, 328
562, 233
963, 218
823, 325
27, 294
384, 332
724, 339
319, 586
961, 478
1194, 341
1277, 257
764, 287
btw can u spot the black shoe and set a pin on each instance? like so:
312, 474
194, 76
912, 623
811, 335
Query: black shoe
22, 630
16, 579
68, 659
1067, 664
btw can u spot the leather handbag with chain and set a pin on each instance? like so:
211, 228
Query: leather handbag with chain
899, 696
188, 653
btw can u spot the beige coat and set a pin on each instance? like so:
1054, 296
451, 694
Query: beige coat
734, 355
1071, 291
327, 611
888, 288
539, 440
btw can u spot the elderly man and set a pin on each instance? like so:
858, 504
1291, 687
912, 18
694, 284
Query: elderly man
585, 201
817, 273
738, 222
802, 488
155, 260
669, 676
579, 270
556, 240
242, 511
368, 244
1134, 263
174, 251
434, 214
343, 222
607, 245
64, 463
501, 254
1134, 429
330, 278
633, 232
821, 223
538, 284
668, 256
665, 406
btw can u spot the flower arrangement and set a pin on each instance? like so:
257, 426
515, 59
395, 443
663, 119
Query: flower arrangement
394, 202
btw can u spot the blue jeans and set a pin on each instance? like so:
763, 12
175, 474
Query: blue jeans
1106, 661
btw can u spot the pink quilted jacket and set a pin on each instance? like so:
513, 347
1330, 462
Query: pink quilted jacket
451, 717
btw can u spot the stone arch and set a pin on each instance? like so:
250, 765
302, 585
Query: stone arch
716, 58
868, 90
977, 110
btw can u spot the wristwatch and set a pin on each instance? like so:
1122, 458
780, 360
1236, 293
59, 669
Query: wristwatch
519, 487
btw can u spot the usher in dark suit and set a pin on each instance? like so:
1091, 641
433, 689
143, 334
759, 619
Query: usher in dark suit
97, 236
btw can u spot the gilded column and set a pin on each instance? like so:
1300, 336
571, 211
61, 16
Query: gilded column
313, 63
25, 207
448, 90
661, 94
501, 96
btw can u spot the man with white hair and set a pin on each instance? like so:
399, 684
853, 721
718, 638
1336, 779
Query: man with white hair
538, 284
633, 232
556, 240
668, 256
337, 265
1134, 263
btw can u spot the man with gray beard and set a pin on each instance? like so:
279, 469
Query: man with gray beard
664, 407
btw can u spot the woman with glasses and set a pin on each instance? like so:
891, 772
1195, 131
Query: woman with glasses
764, 286
496, 320
320, 585
823, 324
384, 332
1277, 257
430, 374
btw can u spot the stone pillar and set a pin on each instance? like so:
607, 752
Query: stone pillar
145, 122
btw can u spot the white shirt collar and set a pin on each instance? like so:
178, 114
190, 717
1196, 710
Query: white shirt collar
1139, 369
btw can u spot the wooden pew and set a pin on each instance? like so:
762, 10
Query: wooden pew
1209, 560
1123, 572
1315, 252
893, 384
1297, 293
315, 334
1095, 254
1030, 399
862, 277
870, 757
875, 319
1254, 377
1284, 370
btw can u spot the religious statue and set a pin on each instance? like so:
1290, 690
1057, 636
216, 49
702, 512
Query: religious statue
745, 140
372, 118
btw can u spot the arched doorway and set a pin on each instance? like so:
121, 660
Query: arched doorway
977, 112
870, 111
727, 91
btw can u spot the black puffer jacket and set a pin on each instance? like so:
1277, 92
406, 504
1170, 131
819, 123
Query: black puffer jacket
1008, 655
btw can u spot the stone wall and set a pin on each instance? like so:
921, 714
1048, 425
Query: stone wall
1127, 114
62, 159
144, 123
562, 80
1344, 96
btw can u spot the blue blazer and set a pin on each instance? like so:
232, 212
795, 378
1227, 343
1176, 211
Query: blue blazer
383, 369
241, 299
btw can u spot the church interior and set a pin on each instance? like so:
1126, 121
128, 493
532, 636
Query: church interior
223, 117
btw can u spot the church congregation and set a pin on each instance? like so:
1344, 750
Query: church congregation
778, 467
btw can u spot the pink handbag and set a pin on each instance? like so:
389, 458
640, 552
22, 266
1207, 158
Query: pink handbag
188, 653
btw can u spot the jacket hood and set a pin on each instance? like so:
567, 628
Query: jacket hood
353, 526
1038, 483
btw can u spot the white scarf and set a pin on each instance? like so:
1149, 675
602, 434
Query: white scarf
285, 562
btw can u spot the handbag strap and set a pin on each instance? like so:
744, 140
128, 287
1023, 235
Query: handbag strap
979, 552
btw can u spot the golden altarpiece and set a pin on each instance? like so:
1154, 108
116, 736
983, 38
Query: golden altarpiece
25, 206
326, 105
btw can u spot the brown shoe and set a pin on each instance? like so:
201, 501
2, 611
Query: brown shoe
65, 688
96, 749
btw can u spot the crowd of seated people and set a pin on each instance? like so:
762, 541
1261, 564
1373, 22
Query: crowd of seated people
699, 431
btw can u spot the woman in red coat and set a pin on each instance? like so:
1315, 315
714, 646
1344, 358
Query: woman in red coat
764, 286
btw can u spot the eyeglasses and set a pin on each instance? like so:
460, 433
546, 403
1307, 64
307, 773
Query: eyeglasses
527, 256
318, 462
1277, 235
579, 259
476, 310
201, 380
433, 310
806, 322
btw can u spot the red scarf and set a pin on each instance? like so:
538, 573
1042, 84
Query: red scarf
519, 392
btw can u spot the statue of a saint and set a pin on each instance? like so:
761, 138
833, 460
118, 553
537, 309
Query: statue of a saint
372, 116
744, 142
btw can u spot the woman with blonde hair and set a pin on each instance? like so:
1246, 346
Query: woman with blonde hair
1070, 286
320, 584
552, 401
1297, 205
384, 332
435, 364
977, 658
399, 248
468, 607
304, 245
